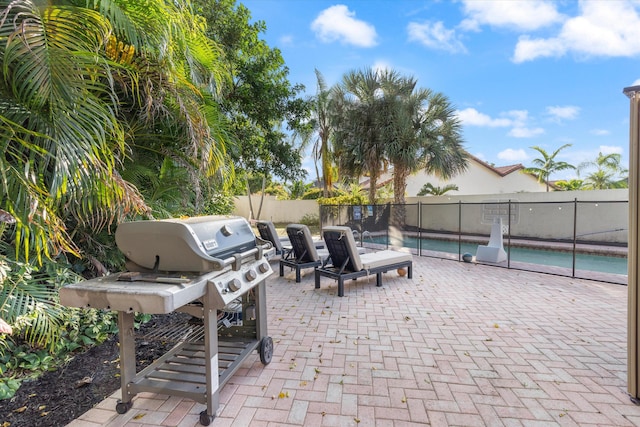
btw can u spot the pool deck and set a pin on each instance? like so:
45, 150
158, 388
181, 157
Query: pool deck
458, 345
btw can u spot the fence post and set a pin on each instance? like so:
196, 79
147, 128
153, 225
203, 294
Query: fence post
419, 228
459, 230
508, 234
575, 236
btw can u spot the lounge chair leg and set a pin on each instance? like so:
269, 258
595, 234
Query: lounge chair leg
297, 275
379, 279
317, 279
410, 271
340, 287
281, 270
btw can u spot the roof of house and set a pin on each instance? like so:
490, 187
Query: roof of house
500, 170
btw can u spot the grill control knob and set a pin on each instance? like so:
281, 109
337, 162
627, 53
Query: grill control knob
226, 230
263, 268
250, 274
234, 285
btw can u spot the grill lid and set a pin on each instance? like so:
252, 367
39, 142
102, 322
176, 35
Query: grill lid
195, 244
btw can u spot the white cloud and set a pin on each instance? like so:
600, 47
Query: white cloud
521, 15
528, 49
481, 156
519, 116
525, 132
601, 29
472, 117
286, 40
636, 83
567, 112
515, 119
610, 149
435, 36
381, 66
338, 23
600, 132
512, 155
520, 119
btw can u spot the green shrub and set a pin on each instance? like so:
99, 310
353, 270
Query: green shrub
310, 220
312, 194
82, 329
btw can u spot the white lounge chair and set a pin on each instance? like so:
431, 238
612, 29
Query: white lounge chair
345, 262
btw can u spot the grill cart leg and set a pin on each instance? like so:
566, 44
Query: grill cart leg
265, 348
210, 356
127, 360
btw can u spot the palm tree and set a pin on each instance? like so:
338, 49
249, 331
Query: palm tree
320, 129
608, 174
570, 185
422, 132
432, 190
359, 146
546, 165
82, 89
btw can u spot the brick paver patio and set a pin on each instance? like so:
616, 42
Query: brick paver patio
458, 345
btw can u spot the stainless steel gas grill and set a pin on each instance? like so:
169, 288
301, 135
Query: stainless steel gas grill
212, 268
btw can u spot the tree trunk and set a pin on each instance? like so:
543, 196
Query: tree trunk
264, 180
327, 179
251, 217
373, 183
399, 187
399, 184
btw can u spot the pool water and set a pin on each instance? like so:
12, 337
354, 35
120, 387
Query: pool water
600, 263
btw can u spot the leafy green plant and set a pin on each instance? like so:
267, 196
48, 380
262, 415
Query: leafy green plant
354, 195
81, 329
29, 300
310, 220
433, 190
8, 387
312, 194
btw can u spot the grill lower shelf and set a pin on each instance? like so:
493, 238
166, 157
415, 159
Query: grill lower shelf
182, 370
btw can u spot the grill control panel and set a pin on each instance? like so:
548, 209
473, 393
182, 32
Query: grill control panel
232, 284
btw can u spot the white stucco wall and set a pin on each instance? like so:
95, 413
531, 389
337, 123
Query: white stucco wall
284, 211
478, 179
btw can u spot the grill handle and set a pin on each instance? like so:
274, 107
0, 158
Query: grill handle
236, 260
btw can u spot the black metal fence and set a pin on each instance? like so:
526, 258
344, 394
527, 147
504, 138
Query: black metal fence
575, 238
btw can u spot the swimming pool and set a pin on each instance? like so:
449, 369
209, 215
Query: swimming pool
588, 262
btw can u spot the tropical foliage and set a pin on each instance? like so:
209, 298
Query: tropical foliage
422, 131
321, 129
118, 109
608, 173
432, 190
380, 119
359, 144
547, 164
257, 98
569, 185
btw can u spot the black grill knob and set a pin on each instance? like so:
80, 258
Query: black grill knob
234, 285
250, 274
226, 230
263, 268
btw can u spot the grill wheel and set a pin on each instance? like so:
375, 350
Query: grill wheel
266, 350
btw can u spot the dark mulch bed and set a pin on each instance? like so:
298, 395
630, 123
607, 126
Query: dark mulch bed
58, 397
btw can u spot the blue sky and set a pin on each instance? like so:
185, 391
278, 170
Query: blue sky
520, 73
